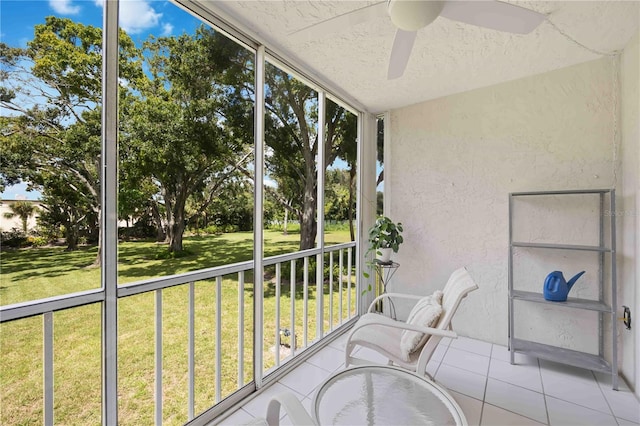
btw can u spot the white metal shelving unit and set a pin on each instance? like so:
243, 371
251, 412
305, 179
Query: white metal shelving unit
606, 247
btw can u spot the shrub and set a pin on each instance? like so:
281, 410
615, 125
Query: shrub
211, 229
36, 241
14, 238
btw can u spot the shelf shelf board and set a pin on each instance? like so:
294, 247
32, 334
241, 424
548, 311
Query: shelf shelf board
561, 355
572, 302
576, 191
561, 246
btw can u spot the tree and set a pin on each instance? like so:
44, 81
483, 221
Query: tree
291, 135
22, 209
344, 135
182, 131
52, 89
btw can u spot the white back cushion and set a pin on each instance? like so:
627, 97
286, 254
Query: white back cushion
425, 314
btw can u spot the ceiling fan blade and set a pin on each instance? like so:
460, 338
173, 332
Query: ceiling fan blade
493, 14
342, 22
400, 53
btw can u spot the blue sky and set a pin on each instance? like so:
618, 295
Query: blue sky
138, 18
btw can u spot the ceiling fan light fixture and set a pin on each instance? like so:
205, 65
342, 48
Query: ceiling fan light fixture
411, 15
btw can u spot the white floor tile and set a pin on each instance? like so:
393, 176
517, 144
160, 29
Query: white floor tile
257, 407
565, 413
502, 353
371, 355
574, 386
438, 354
623, 403
286, 421
240, 417
328, 358
495, 416
623, 422
604, 380
445, 341
432, 367
305, 378
467, 360
487, 387
560, 372
462, 381
472, 345
524, 375
514, 398
471, 407
340, 342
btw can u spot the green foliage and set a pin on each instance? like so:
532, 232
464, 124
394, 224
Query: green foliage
180, 133
385, 234
53, 141
14, 238
186, 133
36, 241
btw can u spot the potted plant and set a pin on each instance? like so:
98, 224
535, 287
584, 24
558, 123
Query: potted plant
385, 237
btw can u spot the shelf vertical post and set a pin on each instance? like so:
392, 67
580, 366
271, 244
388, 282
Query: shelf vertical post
614, 294
510, 273
601, 278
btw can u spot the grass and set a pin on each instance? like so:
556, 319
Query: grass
36, 273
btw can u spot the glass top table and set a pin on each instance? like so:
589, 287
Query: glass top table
384, 395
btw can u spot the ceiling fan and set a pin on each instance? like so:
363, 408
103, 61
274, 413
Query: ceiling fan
411, 15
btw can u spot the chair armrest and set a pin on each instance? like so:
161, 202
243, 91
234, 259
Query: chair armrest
381, 320
392, 295
294, 409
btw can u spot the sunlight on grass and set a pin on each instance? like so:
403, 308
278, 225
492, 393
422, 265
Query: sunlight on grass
38, 273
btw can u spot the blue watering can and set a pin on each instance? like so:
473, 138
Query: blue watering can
556, 288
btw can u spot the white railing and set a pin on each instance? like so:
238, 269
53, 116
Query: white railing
330, 308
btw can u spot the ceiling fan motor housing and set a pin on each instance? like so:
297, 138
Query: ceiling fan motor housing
411, 15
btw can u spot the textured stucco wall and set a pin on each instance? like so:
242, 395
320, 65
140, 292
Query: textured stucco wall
629, 197
452, 162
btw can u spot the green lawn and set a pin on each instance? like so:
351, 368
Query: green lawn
36, 273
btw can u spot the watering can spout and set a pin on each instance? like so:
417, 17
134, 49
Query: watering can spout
573, 280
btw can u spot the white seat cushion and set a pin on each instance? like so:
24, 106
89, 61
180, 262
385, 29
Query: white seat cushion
424, 314
378, 336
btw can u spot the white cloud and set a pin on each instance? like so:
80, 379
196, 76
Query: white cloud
167, 29
137, 16
64, 7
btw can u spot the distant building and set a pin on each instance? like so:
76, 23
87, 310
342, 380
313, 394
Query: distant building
7, 224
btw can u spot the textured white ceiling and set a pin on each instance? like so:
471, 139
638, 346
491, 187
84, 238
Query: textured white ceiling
448, 57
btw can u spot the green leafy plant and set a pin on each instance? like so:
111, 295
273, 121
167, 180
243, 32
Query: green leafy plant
383, 234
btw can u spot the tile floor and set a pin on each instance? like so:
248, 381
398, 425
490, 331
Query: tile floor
487, 387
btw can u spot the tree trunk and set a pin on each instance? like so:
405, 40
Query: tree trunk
98, 259
352, 176
175, 221
286, 221
71, 235
308, 224
157, 219
175, 233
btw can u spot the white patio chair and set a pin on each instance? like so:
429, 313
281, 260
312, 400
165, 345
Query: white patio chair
384, 335
294, 409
